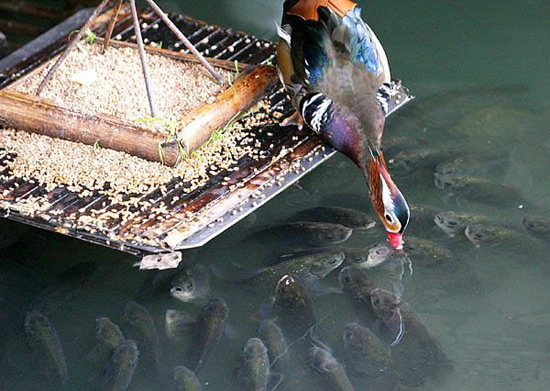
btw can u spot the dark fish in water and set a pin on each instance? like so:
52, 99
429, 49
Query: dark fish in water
479, 189
490, 235
355, 256
192, 284
293, 309
390, 325
254, 366
537, 225
274, 340
69, 284
138, 325
311, 233
461, 165
357, 201
425, 252
418, 356
178, 324
471, 165
331, 214
414, 159
367, 354
108, 339
382, 253
305, 268
46, 346
121, 367
356, 284
185, 380
322, 362
209, 329
454, 223
390, 269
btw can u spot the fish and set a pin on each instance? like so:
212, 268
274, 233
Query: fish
390, 325
46, 345
419, 158
274, 340
389, 268
185, 380
307, 232
490, 235
347, 217
382, 253
417, 356
422, 214
209, 329
293, 309
355, 256
322, 362
356, 284
121, 367
178, 324
139, 326
67, 286
306, 268
454, 223
344, 199
367, 354
460, 165
479, 190
254, 366
425, 252
192, 285
538, 225
108, 339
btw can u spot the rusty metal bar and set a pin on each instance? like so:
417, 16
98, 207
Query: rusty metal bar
71, 46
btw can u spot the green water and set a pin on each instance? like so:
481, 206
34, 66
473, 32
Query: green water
479, 71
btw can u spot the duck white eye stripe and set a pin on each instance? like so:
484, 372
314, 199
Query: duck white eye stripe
386, 195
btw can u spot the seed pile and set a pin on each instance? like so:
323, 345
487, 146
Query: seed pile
123, 178
112, 83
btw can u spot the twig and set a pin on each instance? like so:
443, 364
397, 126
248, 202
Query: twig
185, 41
139, 40
71, 46
112, 23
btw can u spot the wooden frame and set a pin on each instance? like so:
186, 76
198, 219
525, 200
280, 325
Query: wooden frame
39, 115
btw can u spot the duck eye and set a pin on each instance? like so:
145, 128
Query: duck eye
389, 219
452, 223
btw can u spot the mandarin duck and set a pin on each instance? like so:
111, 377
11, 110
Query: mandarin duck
337, 76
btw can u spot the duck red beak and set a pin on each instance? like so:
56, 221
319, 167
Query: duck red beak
396, 240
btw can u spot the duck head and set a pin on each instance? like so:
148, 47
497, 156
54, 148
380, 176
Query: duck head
386, 198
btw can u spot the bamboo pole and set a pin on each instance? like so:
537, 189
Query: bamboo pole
38, 115
71, 46
248, 88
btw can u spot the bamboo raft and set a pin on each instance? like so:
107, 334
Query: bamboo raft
169, 218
